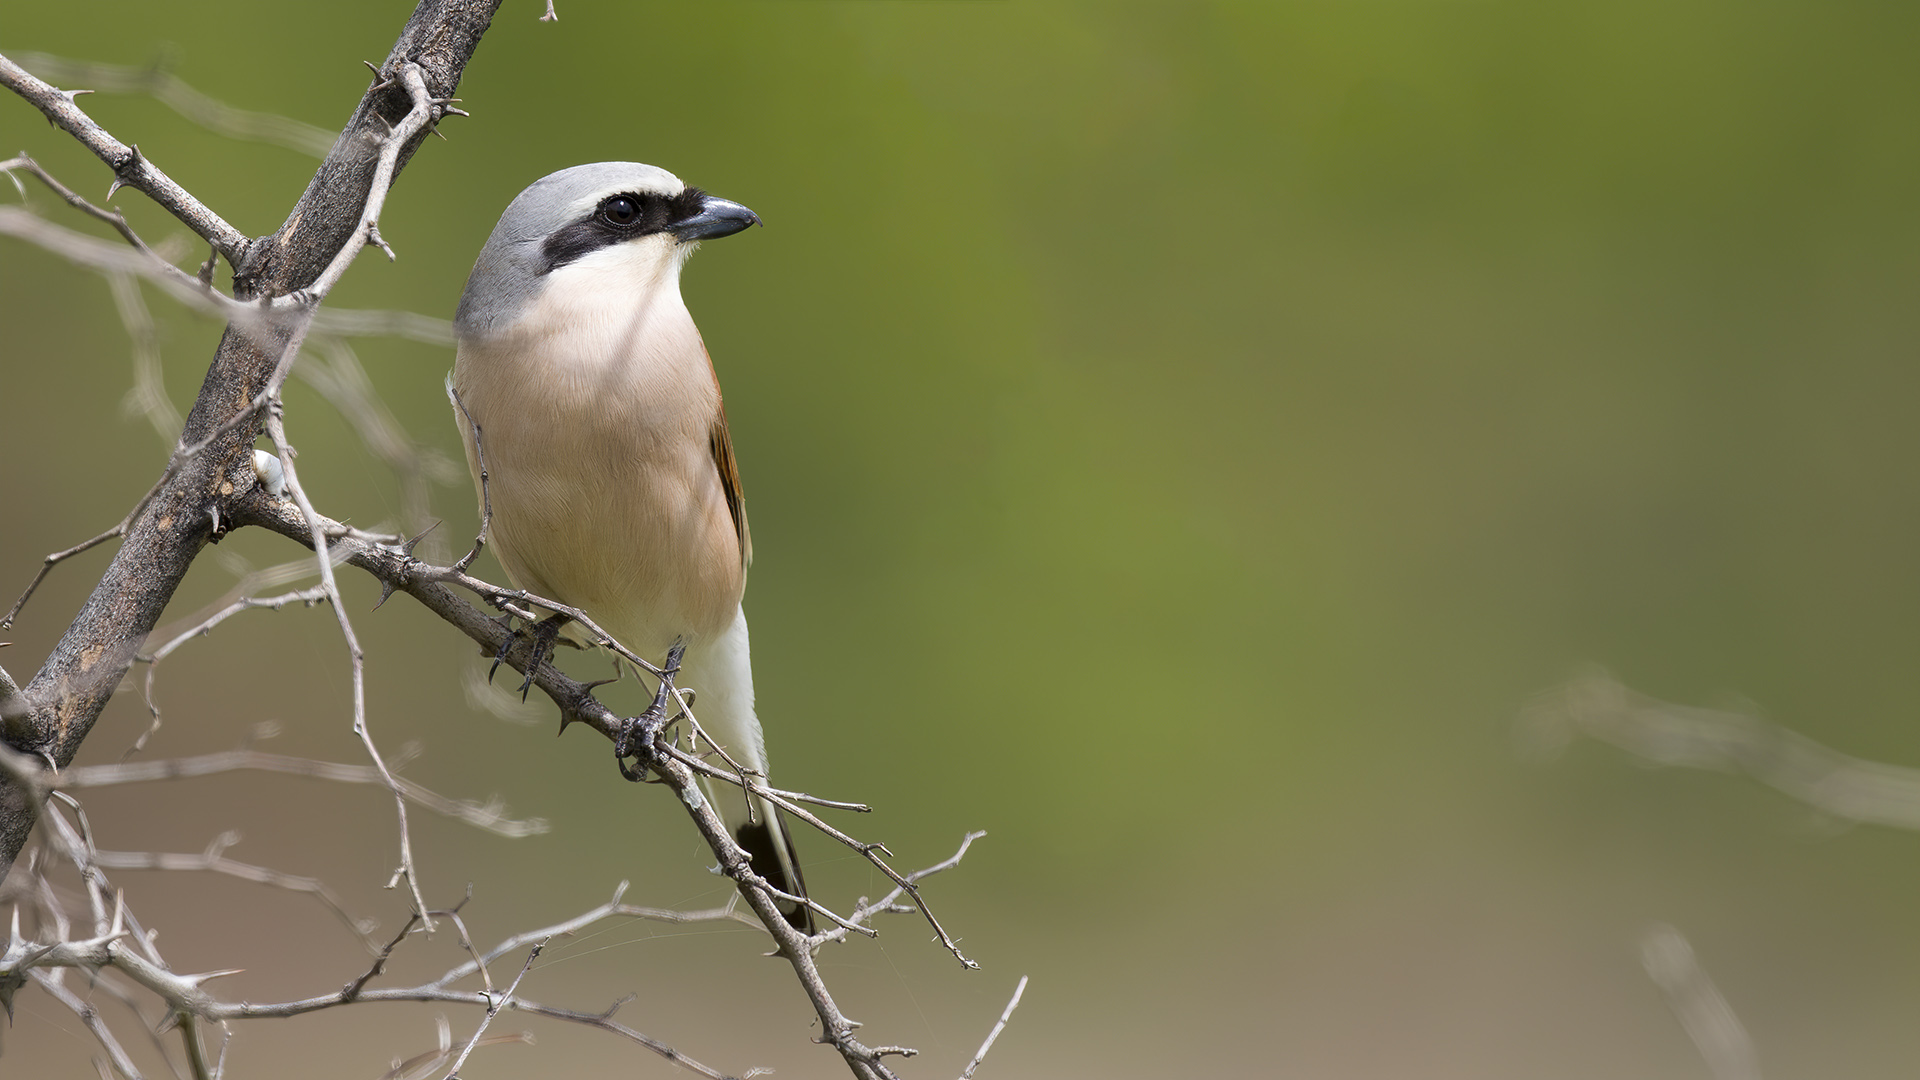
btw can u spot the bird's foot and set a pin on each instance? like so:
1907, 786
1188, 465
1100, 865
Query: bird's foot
541, 637
639, 734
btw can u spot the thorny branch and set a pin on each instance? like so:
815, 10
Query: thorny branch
130, 167
674, 767
278, 287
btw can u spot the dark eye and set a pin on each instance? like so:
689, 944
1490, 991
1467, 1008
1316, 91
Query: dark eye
620, 210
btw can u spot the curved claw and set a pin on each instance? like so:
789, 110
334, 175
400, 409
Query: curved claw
541, 638
637, 736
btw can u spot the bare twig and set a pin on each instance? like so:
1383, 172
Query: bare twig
368, 230
494, 1005
90, 1018
480, 460
356, 659
55, 559
866, 910
870, 851
1005, 1016
156, 1031
421, 1065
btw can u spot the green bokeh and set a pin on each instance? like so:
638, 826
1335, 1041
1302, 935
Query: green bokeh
1179, 438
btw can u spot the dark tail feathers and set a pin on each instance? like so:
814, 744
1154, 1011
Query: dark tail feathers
781, 873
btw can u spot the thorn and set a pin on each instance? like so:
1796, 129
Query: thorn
451, 111
386, 590
209, 976
374, 238
133, 162
421, 535
436, 132
375, 68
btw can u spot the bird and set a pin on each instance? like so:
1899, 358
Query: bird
580, 377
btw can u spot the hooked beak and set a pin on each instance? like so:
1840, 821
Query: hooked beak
717, 217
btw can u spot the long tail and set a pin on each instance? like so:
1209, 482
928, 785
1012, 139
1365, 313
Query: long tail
722, 672
771, 845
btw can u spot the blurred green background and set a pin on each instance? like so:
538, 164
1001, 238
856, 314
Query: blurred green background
1179, 439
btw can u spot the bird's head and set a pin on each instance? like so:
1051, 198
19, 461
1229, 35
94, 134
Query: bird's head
612, 215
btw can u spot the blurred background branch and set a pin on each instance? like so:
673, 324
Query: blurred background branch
1599, 707
166, 87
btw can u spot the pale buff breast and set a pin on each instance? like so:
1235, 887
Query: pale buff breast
596, 409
